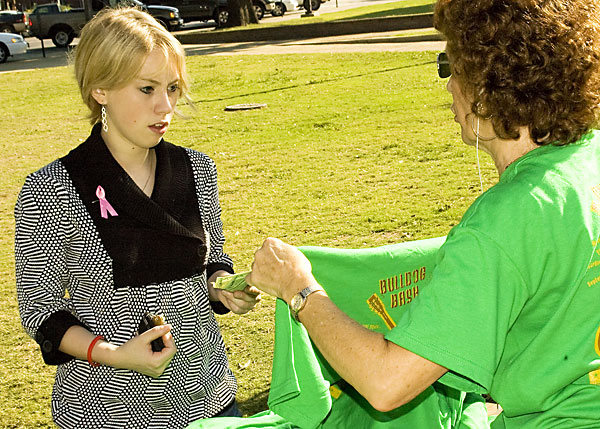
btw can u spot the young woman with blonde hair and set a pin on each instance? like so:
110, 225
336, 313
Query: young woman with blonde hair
128, 224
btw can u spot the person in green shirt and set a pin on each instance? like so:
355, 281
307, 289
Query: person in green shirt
512, 308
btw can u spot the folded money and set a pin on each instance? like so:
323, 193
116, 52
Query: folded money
232, 283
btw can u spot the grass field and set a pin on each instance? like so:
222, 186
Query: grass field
354, 150
403, 7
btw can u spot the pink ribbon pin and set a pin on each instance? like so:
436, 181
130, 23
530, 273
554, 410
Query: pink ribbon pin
104, 205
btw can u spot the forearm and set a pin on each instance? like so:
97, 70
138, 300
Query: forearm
136, 354
387, 375
77, 340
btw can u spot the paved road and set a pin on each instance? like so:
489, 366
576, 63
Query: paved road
372, 42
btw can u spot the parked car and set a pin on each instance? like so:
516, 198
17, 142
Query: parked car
316, 4
260, 8
190, 10
168, 16
11, 44
206, 10
281, 7
13, 21
62, 24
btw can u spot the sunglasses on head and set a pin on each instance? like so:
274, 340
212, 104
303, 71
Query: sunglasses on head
443, 65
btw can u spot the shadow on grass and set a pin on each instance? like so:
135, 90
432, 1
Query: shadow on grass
313, 82
255, 404
428, 8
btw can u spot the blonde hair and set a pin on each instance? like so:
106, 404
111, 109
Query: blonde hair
113, 47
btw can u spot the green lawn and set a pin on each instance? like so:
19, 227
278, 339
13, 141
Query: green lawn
353, 150
403, 7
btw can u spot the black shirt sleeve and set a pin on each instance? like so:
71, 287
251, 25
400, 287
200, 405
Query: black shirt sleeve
50, 334
217, 306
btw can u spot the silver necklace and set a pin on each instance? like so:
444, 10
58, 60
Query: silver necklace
149, 175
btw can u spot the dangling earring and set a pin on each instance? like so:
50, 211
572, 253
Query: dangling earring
476, 132
104, 121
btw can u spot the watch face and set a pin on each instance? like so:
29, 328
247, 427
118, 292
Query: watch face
296, 302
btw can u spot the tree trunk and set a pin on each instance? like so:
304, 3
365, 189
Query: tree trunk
241, 13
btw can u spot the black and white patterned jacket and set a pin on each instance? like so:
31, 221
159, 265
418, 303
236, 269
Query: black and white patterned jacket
75, 267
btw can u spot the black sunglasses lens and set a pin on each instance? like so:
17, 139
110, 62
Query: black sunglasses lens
443, 65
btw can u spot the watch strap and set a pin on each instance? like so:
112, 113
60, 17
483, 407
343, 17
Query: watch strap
303, 295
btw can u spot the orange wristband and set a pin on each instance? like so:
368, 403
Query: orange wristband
89, 352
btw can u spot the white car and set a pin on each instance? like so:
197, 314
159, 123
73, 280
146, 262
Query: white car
282, 6
11, 44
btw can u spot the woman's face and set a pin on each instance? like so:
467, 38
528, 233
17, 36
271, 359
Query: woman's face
139, 114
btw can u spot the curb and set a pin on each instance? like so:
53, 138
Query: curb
309, 31
386, 39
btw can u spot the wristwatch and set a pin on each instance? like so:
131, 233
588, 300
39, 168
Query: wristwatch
299, 300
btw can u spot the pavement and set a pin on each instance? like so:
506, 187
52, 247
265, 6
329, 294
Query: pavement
365, 42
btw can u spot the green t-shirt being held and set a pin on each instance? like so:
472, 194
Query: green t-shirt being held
374, 286
513, 306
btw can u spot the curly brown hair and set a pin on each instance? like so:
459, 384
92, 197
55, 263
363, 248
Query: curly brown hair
532, 63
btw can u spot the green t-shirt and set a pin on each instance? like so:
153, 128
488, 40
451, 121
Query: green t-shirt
374, 286
513, 305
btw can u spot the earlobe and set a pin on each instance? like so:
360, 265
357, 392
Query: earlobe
99, 95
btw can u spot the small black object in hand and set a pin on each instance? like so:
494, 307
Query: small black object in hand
149, 321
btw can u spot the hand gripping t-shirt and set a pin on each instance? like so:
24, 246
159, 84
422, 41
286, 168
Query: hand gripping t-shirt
374, 286
513, 307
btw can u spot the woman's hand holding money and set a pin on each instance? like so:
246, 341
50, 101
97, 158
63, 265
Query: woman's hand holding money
233, 292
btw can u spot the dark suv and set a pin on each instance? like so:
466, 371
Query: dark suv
205, 10
260, 7
191, 10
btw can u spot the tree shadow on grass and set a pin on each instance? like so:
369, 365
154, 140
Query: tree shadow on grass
313, 82
255, 404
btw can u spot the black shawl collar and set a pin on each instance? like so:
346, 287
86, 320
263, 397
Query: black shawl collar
152, 240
